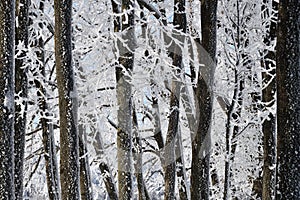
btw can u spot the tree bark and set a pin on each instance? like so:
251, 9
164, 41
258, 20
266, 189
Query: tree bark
200, 160
69, 155
269, 140
7, 87
176, 54
124, 100
288, 101
21, 89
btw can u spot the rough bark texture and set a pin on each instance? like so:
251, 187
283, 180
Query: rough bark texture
288, 100
169, 151
269, 140
7, 111
21, 89
200, 160
69, 155
124, 99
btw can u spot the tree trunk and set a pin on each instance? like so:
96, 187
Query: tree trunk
124, 99
7, 87
85, 175
269, 140
21, 89
288, 101
138, 159
200, 160
176, 54
69, 155
180, 168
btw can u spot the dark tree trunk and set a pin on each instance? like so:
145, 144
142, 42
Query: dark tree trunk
108, 181
124, 99
180, 168
69, 154
288, 100
176, 55
269, 140
21, 89
200, 160
7, 88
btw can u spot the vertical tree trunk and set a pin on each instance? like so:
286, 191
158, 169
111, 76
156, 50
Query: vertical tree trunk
138, 159
21, 89
69, 155
176, 54
288, 100
200, 160
124, 99
269, 140
7, 87
180, 168
85, 175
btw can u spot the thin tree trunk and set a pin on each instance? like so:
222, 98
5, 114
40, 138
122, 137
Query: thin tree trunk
7, 87
104, 168
200, 159
268, 180
234, 110
69, 155
180, 171
288, 101
21, 89
47, 126
86, 191
157, 127
169, 151
138, 162
108, 181
85, 175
